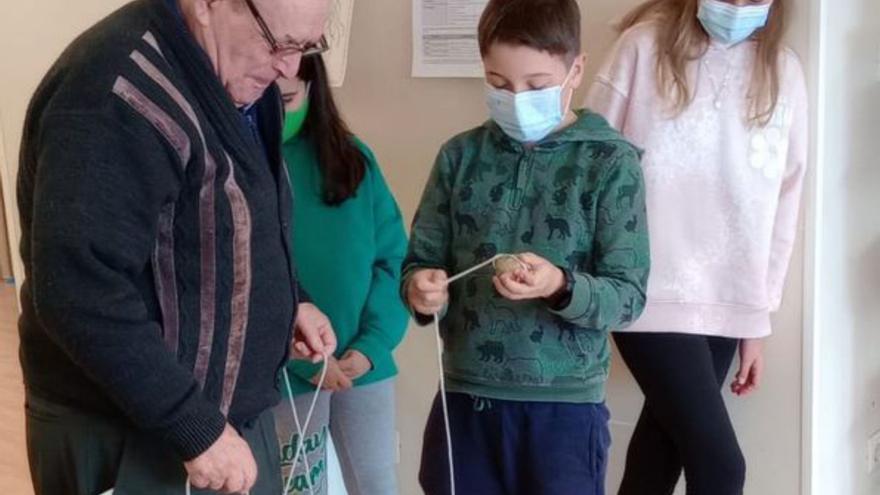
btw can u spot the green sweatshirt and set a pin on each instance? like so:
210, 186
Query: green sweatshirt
577, 199
348, 259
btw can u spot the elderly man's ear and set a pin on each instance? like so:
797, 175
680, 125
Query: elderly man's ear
198, 11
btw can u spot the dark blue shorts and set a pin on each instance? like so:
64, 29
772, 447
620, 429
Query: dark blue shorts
512, 448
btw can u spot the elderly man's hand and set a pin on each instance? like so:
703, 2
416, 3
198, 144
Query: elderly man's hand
313, 336
228, 466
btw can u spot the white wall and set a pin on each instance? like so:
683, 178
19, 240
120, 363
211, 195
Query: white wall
32, 35
846, 396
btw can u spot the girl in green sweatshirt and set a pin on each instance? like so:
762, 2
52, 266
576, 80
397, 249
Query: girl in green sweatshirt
349, 242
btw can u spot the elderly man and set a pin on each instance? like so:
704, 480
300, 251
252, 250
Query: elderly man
161, 297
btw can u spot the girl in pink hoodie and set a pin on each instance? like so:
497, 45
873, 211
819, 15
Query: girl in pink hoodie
707, 88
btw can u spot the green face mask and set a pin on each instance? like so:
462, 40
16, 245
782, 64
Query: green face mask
294, 120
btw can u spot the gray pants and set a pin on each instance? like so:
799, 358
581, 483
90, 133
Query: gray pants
361, 422
75, 453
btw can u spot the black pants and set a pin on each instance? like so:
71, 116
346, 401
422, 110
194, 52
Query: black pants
684, 423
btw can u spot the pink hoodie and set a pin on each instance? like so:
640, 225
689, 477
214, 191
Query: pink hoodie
723, 197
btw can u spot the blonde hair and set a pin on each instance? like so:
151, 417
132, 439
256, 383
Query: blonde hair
682, 39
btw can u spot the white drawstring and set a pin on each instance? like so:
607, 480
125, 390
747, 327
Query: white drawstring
445, 405
301, 433
302, 428
493, 260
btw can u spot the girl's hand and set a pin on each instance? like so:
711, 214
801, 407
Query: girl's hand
354, 364
751, 367
537, 279
336, 380
427, 291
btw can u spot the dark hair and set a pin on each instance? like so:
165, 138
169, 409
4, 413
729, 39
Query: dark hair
343, 165
552, 26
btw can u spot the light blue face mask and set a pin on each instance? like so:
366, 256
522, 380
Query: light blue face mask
732, 24
528, 116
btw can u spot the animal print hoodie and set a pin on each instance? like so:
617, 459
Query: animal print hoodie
577, 199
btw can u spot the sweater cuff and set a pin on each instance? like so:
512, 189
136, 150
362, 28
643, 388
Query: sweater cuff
581, 299
775, 300
420, 319
372, 348
301, 295
562, 298
196, 431
425, 320
302, 369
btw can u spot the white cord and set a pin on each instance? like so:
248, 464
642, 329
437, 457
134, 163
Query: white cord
445, 405
446, 423
490, 261
305, 458
302, 428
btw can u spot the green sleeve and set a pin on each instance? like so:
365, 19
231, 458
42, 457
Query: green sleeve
431, 232
384, 318
305, 370
613, 295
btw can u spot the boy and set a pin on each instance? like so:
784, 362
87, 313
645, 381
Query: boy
526, 353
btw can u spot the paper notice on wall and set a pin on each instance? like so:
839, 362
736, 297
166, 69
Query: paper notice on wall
338, 33
445, 38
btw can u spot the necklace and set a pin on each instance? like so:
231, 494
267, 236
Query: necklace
718, 89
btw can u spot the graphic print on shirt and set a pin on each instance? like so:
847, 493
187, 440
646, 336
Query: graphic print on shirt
768, 145
557, 205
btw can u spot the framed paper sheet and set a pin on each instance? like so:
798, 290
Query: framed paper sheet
445, 38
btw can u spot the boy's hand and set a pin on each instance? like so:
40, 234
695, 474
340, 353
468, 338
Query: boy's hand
336, 380
427, 291
541, 279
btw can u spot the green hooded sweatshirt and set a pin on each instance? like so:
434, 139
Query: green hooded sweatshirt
575, 198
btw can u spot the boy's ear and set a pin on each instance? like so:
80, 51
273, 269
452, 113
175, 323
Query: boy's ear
577, 70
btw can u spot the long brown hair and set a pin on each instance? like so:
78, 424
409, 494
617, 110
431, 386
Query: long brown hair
343, 166
682, 39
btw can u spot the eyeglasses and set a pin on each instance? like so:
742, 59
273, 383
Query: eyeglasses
286, 48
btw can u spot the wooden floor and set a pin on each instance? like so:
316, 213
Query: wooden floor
14, 477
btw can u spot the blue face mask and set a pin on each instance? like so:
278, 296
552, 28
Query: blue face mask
528, 116
731, 24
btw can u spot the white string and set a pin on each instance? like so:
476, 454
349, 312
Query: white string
443, 400
302, 428
467, 272
445, 405
301, 433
